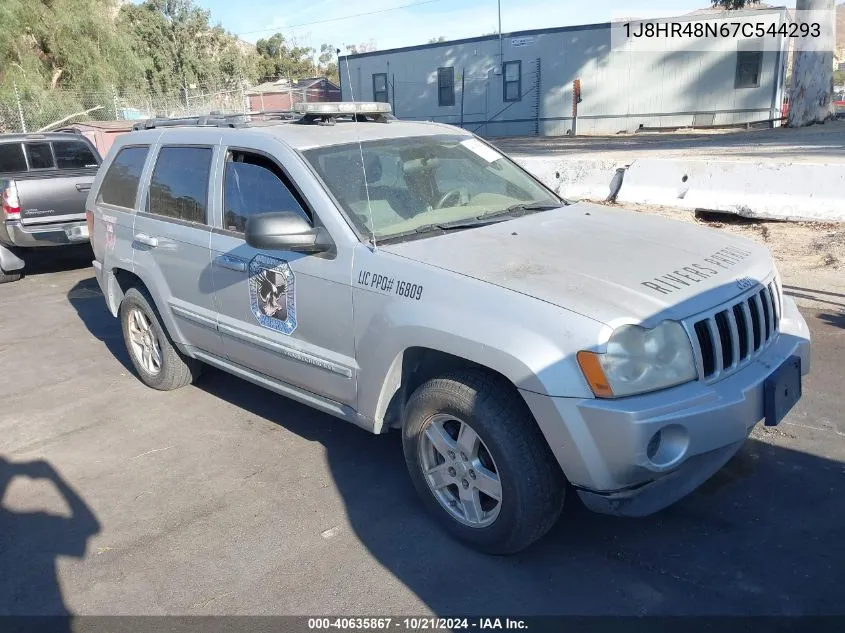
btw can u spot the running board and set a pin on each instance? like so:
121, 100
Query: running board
326, 405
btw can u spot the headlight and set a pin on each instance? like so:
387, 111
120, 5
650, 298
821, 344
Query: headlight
638, 360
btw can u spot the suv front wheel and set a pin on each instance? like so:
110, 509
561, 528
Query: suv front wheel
158, 363
480, 463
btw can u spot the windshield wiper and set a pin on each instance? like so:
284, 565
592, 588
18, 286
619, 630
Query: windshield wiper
490, 217
514, 211
443, 227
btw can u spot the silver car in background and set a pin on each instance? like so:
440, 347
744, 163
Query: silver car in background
408, 275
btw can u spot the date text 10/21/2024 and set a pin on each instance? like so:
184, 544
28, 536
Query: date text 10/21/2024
417, 624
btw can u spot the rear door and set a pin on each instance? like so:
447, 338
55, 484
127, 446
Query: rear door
171, 238
58, 179
115, 204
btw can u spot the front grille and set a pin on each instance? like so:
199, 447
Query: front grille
733, 335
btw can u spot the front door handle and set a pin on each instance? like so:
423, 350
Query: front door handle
146, 240
81, 187
232, 263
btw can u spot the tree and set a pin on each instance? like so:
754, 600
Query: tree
279, 60
179, 48
327, 62
812, 68
364, 47
437, 40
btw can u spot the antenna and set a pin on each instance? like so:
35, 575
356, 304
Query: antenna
356, 123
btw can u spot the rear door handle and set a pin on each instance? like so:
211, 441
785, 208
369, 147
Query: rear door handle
232, 263
146, 240
81, 187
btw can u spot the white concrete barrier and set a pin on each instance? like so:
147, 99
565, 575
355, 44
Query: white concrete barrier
766, 190
576, 179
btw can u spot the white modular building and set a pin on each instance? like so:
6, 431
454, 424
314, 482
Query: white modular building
526, 83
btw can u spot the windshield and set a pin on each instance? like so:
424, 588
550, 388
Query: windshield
414, 182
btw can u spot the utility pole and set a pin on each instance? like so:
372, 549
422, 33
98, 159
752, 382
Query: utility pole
501, 49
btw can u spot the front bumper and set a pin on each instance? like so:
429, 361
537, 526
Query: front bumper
36, 235
602, 445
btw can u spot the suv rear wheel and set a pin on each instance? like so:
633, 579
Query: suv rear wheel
158, 363
480, 463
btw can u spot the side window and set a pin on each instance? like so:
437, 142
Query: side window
253, 184
39, 156
380, 87
446, 86
73, 155
749, 64
120, 184
11, 157
512, 77
179, 185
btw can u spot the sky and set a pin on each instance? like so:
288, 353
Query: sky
306, 22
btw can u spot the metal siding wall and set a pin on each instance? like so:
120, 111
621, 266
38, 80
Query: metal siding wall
621, 89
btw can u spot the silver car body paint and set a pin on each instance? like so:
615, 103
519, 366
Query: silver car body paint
520, 297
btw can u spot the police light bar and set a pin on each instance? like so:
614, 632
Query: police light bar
342, 107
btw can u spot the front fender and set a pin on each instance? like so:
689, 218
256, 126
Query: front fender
530, 342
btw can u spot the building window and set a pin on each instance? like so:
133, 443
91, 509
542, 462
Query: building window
749, 67
512, 81
446, 86
380, 87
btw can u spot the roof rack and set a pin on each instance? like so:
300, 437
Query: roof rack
198, 121
319, 113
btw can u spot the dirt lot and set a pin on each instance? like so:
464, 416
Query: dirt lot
810, 256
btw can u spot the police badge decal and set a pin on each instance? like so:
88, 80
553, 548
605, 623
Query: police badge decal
272, 293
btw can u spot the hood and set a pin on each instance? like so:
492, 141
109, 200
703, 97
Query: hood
603, 263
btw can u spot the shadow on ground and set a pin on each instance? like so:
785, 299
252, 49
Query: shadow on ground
836, 320
31, 542
43, 261
95, 315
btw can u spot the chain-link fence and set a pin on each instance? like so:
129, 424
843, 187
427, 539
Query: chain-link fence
34, 111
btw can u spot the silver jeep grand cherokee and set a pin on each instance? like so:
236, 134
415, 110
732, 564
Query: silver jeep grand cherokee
408, 275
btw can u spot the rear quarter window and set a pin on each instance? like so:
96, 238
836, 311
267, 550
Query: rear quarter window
11, 157
120, 184
73, 155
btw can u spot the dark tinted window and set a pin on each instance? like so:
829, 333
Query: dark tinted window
179, 186
39, 155
749, 64
120, 184
73, 155
380, 87
253, 184
11, 157
446, 86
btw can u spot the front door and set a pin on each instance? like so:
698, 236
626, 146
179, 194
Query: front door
282, 314
171, 243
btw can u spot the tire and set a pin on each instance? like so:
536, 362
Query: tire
174, 369
6, 278
531, 483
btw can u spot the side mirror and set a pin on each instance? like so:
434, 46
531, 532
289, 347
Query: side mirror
285, 231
